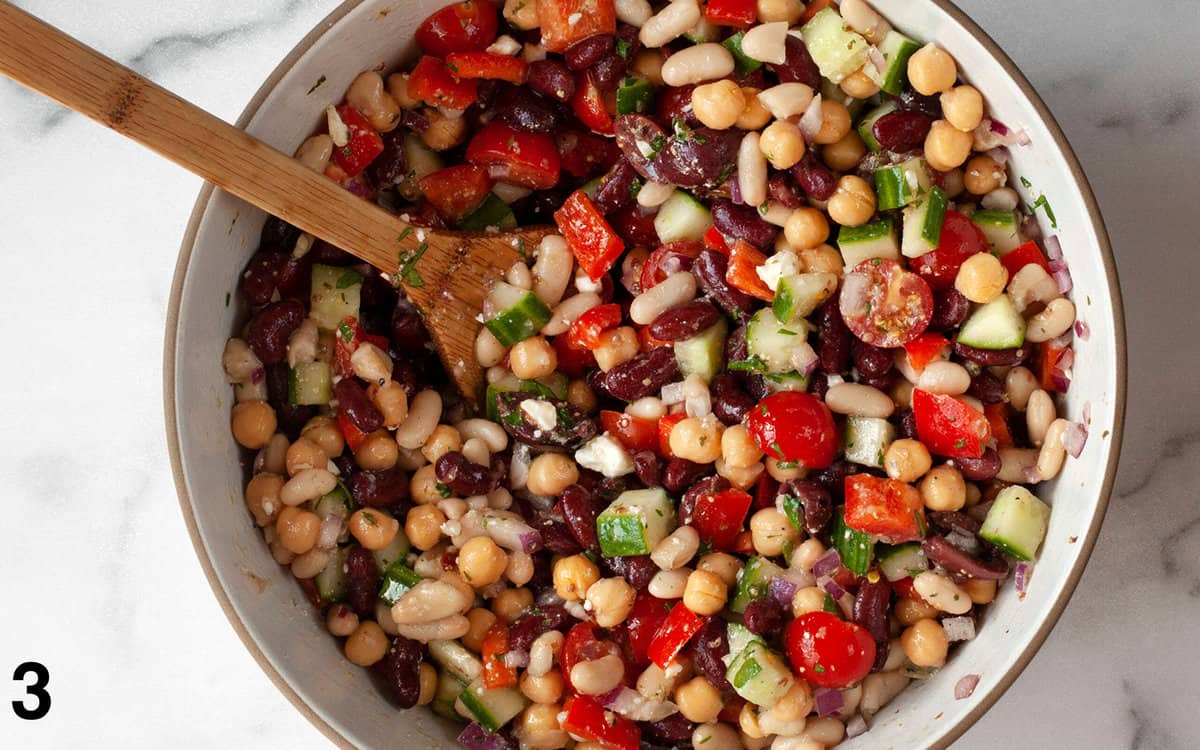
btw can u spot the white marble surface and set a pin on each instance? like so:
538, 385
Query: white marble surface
97, 576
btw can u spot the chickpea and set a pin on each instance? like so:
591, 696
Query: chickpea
822, 258
931, 70
304, 454
790, 11
859, 85
846, 153
910, 611
738, 448
324, 432
981, 278
366, 645
532, 358
907, 460
377, 451
806, 227
835, 122
980, 590
697, 439
481, 561
782, 143
341, 621
853, 202
423, 526
511, 603
719, 104
782, 471
397, 86
479, 621
925, 643
391, 400
962, 106
723, 565
705, 593
581, 396
699, 700
373, 528
616, 347
253, 424
366, 94
423, 486
444, 132
771, 531
262, 497
547, 688
943, 489
573, 576
808, 599
441, 441
297, 529
982, 175
427, 678
522, 13
539, 729
946, 147
755, 116
741, 477
551, 473
611, 599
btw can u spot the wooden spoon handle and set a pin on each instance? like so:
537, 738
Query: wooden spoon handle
43, 58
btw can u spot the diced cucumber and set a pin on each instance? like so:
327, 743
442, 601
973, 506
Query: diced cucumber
331, 582
1001, 228
739, 637
785, 381
799, 294
456, 660
337, 502
553, 385
634, 96
422, 161
704, 353
493, 212
635, 522
896, 49
900, 184
996, 325
760, 675
335, 295
493, 707
832, 92
449, 687
901, 561
752, 582
393, 553
310, 384
1016, 522
591, 187
865, 127
923, 223
682, 217
874, 240
507, 384
397, 580
856, 548
835, 48
867, 439
742, 63
703, 32
519, 313
772, 342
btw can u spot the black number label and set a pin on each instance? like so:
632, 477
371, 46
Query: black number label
36, 691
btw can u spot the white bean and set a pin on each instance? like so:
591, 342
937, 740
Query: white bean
477, 451
1039, 414
519, 570
717, 736
492, 434
240, 361
701, 62
795, 742
543, 651
1019, 385
598, 676
423, 415
859, 400
1031, 284
669, 584
429, 600
676, 549
371, 363
568, 311
767, 42
863, 19
752, 171
879, 689
383, 616
654, 194
448, 628
657, 685
1050, 459
518, 275
633, 12
777, 214
942, 376
826, 730
315, 152
676, 289
670, 22
553, 269
787, 99
649, 407
942, 593
1051, 322
1015, 463
1001, 199
308, 484
302, 344
307, 566
488, 349
250, 391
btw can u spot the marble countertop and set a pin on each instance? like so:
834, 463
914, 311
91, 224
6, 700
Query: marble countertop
99, 579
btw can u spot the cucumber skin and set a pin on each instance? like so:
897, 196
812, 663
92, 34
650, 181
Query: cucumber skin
1016, 512
520, 321
979, 329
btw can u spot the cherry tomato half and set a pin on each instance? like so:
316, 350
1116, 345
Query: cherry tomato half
461, 27
795, 426
884, 305
666, 260
960, 240
827, 651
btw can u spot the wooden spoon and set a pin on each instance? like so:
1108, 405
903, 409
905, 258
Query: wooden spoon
450, 279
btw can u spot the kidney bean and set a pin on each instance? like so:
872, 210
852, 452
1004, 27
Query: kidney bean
588, 51
700, 158
818, 384
756, 386
270, 328
391, 165
954, 560
953, 519
987, 388
708, 650
258, 280
331, 255
536, 622
556, 536
572, 429
906, 423
814, 499
278, 235
616, 187
992, 357
902, 131
730, 403
833, 478
674, 103
872, 361
378, 294
706, 486
684, 321
782, 190
641, 141
607, 72
950, 309
400, 671
910, 101
986, 466
709, 269
743, 223
637, 570
387, 488
295, 278
524, 110
353, 402
362, 581
680, 474
635, 225
763, 616
579, 510
642, 376
834, 338
648, 468
464, 477
883, 382
675, 729
871, 607
551, 79
407, 332
814, 178
798, 65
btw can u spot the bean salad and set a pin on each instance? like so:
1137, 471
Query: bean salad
764, 419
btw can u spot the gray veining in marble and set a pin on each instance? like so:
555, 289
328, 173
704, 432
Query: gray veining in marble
98, 577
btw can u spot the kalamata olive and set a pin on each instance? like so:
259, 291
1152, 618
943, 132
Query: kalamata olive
743, 223
588, 51
763, 616
616, 188
730, 402
684, 321
579, 510
674, 104
833, 478
648, 468
710, 647
362, 581
883, 382
950, 309
706, 486
910, 101
699, 157
834, 338
637, 570
642, 376
386, 488
814, 499
993, 357
872, 361
606, 73
986, 466
709, 269
798, 65
871, 607
954, 560
736, 348
674, 730
411, 119
523, 110
551, 79
952, 519
464, 477
641, 141
572, 427
902, 131
782, 189
814, 178
906, 423
400, 671
987, 388
353, 402
269, 329
391, 165
258, 280
278, 235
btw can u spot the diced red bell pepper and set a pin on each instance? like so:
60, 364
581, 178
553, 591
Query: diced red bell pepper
665, 425
346, 339
1051, 374
719, 517
1016, 259
572, 362
887, 508
433, 83
738, 13
647, 616
925, 348
585, 155
496, 672
997, 417
743, 544
635, 434
948, 426
456, 191
666, 260
527, 159
459, 27
585, 332
487, 65
905, 590
714, 240
675, 632
565, 22
742, 272
365, 144
354, 436
587, 719
593, 242
589, 105
648, 342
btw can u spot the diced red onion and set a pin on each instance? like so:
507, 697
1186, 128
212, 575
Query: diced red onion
735, 189
1021, 576
783, 590
358, 187
959, 628
1030, 229
1063, 341
509, 531
877, 59
1062, 383
331, 528
672, 393
1032, 475
1066, 360
517, 658
258, 376
630, 704
518, 472
828, 702
475, 737
856, 726
1083, 330
804, 358
810, 122
1062, 277
1022, 137
999, 128
833, 589
1053, 248
1074, 438
827, 563
966, 686
999, 155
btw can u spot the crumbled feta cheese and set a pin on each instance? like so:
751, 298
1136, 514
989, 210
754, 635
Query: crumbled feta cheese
574, 18
338, 132
505, 45
541, 413
605, 455
782, 263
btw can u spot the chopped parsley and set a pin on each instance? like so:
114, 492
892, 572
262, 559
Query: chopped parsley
656, 145
443, 490
408, 265
635, 187
623, 48
346, 331
753, 363
317, 85
777, 448
1042, 202
348, 279
762, 210
819, 669
407, 231
787, 464
786, 332
228, 297
1025, 181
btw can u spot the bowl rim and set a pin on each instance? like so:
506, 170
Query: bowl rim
1088, 542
